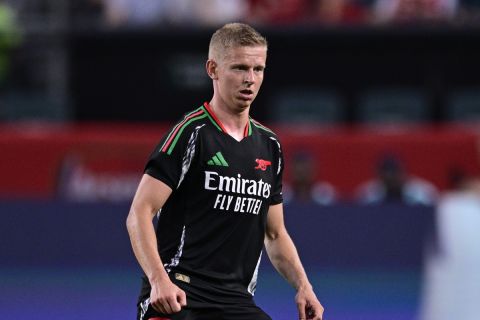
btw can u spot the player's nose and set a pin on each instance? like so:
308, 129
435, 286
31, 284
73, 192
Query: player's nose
249, 77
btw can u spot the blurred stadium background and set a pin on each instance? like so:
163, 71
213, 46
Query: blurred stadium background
377, 103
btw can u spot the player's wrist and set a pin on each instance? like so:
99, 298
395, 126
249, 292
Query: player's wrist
158, 275
304, 285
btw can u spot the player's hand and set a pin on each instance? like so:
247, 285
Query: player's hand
166, 297
309, 308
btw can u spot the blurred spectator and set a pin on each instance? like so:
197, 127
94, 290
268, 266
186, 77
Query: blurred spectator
148, 13
393, 184
452, 281
304, 188
408, 11
337, 12
9, 38
135, 13
216, 12
278, 12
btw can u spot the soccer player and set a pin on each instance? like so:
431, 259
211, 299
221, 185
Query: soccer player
215, 182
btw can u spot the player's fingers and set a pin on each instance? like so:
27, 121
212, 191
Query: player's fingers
157, 306
310, 313
301, 310
313, 316
182, 298
174, 305
316, 312
164, 305
168, 307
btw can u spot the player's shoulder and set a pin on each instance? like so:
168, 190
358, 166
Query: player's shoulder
193, 117
263, 130
189, 121
180, 132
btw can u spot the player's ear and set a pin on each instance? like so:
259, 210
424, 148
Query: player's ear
211, 67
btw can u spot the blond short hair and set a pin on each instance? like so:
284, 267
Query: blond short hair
234, 35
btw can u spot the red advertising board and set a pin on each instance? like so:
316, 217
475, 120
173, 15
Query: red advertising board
105, 161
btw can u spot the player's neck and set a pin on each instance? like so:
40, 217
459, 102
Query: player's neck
233, 122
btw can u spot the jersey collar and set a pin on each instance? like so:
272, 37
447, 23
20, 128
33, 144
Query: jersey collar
211, 115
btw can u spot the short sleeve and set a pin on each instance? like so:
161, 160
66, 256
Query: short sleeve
277, 196
166, 162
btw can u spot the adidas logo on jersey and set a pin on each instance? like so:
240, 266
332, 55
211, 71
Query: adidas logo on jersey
218, 160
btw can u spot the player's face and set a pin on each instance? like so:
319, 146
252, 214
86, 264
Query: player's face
240, 75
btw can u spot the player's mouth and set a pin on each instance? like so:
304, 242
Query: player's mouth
246, 94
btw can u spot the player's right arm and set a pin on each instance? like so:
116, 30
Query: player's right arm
151, 195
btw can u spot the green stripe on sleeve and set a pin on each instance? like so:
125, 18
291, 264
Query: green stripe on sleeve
258, 125
175, 127
172, 146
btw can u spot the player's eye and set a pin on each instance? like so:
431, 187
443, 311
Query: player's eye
239, 67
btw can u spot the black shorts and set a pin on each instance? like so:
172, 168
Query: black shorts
205, 303
209, 312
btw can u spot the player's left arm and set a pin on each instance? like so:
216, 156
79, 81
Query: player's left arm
285, 259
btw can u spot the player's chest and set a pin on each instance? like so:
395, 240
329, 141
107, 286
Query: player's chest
249, 159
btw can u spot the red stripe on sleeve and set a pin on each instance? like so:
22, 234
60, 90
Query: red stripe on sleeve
165, 147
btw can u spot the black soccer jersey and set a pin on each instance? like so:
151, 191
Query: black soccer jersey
212, 227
